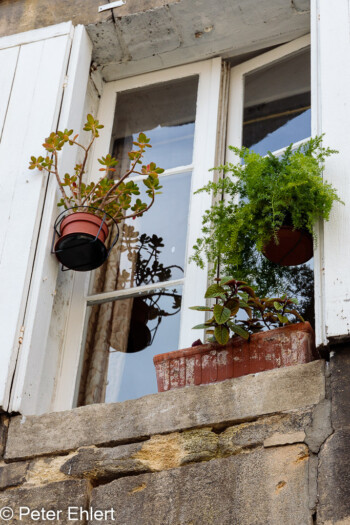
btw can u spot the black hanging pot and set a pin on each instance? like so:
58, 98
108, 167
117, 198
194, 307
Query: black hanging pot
294, 247
139, 334
79, 239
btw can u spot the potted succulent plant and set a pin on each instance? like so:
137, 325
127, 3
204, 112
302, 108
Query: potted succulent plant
239, 312
271, 204
90, 208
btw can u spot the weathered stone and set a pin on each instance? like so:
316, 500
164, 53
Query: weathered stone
23, 16
320, 426
46, 470
340, 386
334, 479
4, 423
164, 452
265, 486
54, 497
105, 463
279, 439
161, 452
13, 474
199, 445
249, 435
164, 33
219, 404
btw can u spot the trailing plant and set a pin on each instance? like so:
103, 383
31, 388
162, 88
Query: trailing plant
114, 197
261, 194
239, 311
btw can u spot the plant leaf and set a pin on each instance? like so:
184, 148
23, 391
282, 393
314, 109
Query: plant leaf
214, 290
277, 305
200, 308
201, 326
282, 319
221, 314
222, 334
239, 330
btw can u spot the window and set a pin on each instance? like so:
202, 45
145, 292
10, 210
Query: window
272, 93
178, 110
131, 329
128, 314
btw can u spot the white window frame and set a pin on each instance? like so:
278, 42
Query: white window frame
235, 136
204, 157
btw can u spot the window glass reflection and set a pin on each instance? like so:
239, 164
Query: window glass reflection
166, 113
277, 105
276, 113
153, 328
153, 246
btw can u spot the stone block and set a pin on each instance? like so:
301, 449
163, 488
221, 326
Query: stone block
257, 433
220, 404
267, 486
4, 423
156, 454
320, 426
334, 480
340, 385
104, 463
278, 439
55, 498
13, 474
20, 16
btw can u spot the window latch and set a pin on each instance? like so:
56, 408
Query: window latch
105, 7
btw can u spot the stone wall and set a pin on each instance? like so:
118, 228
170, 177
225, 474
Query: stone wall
259, 449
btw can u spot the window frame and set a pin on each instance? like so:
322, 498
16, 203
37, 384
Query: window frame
204, 158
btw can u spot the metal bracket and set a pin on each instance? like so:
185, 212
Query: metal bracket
105, 7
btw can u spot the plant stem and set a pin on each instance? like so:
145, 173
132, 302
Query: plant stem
64, 195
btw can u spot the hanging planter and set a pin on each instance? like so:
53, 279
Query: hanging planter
271, 206
293, 247
81, 231
79, 239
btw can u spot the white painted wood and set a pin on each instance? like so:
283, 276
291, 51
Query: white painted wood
131, 292
33, 109
106, 7
36, 35
331, 115
204, 154
67, 323
8, 63
33, 361
316, 127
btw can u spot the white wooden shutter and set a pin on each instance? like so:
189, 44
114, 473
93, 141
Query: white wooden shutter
34, 67
330, 51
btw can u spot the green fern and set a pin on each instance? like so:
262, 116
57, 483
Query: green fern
261, 193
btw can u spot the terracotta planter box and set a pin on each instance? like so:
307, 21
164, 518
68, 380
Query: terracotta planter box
209, 363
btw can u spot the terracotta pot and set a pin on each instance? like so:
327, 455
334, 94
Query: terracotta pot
294, 247
78, 247
210, 363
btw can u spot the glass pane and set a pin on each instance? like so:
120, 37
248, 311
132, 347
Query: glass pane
138, 329
153, 247
166, 113
277, 105
276, 113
